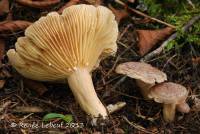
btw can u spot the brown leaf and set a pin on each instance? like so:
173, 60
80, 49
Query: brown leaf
8, 27
119, 14
5, 105
196, 60
68, 4
149, 38
2, 48
142, 21
4, 7
38, 4
2, 83
119, 131
3, 75
28, 109
94, 2
132, 1
36, 86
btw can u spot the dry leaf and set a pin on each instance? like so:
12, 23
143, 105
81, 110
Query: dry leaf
94, 2
2, 48
2, 83
28, 109
4, 7
3, 75
38, 4
142, 21
149, 38
8, 27
68, 4
5, 105
131, 1
36, 86
119, 14
196, 60
119, 131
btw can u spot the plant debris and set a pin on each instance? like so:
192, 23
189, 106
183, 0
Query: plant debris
9, 27
149, 38
38, 4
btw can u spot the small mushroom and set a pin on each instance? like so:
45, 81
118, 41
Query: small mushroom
146, 76
66, 48
173, 96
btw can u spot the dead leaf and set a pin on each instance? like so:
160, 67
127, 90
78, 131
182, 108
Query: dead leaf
5, 105
149, 38
28, 109
68, 4
4, 7
119, 14
131, 1
94, 2
36, 86
2, 83
38, 4
196, 60
8, 27
9, 16
2, 48
142, 21
119, 131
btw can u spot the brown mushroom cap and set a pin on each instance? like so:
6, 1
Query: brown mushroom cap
168, 93
56, 45
141, 71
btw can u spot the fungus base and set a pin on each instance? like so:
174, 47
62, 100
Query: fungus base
81, 84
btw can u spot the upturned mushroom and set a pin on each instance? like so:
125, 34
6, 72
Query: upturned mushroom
146, 75
66, 48
173, 96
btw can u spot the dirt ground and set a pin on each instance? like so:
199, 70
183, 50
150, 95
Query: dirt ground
139, 116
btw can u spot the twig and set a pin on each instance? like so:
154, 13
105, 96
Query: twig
5, 105
191, 4
48, 103
117, 85
172, 37
138, 127
117, 59
124, 31
144, 15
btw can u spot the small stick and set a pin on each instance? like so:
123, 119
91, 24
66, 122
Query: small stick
172, 37
115, 107
191, 4
138, 127
48, 103
144, 15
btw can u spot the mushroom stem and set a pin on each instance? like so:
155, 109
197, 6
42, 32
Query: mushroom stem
81, 84
169, 112
144, 88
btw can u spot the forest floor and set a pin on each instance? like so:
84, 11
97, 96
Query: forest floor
180, 62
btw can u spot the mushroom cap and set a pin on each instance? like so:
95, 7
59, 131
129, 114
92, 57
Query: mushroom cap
56, 45
141, 71
168, 93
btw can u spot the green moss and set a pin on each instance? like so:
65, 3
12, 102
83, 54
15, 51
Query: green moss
177, 13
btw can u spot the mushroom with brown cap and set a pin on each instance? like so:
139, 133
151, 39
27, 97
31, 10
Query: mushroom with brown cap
66, 48
173, 96
146, 75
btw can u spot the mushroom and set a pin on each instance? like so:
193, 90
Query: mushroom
66, 48
146, 76
173, 96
